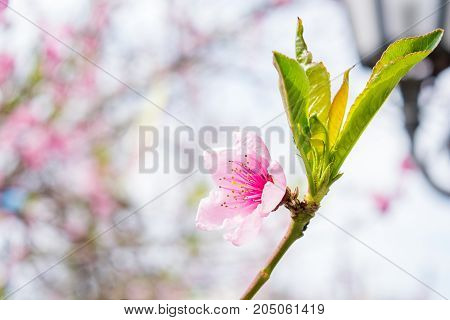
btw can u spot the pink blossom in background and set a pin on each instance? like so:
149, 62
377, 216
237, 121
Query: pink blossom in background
408, 164
281, 2
86, 83
35, 141
102, 203
21, 119
249, 187
60, 90
3, 5
6, 67
90, 44
32, 147
40, 145
88, 183
54, 52
100, 16
52, 55
382, 202
76, 228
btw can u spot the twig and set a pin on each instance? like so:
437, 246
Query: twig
301, 213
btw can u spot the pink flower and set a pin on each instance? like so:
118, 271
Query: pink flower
249, 187
100, 15
53, 56
34, 141
408, 164
382, 202
6, 67
3, 5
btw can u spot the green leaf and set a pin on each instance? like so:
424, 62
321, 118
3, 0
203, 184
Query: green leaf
294, 89
301, 50
319, 144
318, 78
405, 46
325, 175
318, 131
319, 90
305, 88
337, 111
395, 63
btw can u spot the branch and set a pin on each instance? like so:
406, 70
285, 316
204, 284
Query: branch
301, 213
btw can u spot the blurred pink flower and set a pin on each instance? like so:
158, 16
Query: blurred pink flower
102, 203
75, 227
91, 44
86, 84
408, 164
52, 54
100, 14
281, 2
60, 90
35, 141
6, 67
90, 184
40, 145
17, 122
3, 5
382, 202
249, 187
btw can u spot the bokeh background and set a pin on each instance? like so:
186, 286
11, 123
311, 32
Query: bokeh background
79, 78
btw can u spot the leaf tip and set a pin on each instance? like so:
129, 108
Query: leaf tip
347, 72
437, 34
440, 32
276, 55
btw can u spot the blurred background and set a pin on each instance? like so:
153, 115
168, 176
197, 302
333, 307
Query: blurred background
79, 78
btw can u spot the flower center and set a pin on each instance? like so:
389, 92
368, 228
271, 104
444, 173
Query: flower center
244, 186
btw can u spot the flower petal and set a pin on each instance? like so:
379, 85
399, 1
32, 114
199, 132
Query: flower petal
3, 5
274, 192
246, 228
277, 173
250, 143
216, 161
210, 213
228, 170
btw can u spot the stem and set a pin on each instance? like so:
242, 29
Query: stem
294, 232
